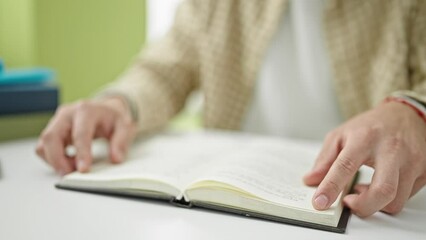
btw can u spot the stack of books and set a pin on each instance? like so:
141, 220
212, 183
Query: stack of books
28, 98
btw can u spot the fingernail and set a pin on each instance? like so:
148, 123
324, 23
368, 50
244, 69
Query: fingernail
81, 165
321, 202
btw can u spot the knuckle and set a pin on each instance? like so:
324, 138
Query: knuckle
386, 190
395, 143
330, 135
84, 106
365, 136
346, 165
394, 207
63, 109
333, 186
47, 136
369, 132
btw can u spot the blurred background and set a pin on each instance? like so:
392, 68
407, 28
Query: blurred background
87, 43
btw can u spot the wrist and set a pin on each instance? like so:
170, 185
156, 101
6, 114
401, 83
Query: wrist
121, 102
415, 106
120, 105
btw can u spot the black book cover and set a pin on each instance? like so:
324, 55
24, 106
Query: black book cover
340, 228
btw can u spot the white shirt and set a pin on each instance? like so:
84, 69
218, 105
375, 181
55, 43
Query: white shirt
294, 96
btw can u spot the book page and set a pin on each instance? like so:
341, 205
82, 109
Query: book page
268, 168
175, 159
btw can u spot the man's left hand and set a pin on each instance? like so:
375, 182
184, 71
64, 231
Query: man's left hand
390, 138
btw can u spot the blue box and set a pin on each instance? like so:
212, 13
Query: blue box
27, 91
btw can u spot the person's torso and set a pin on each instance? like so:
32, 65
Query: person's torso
294, 95
367, 43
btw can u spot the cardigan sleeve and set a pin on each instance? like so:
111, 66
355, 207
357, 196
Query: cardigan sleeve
162, 76
417, 54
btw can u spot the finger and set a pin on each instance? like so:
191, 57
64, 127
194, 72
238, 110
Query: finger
84, 126
328, 154
41, 153
405, 187
356, 191
381, 192
55, 156
402, 196
40, 150
418, 185
359, 188
120, 140
340, 174
52, 142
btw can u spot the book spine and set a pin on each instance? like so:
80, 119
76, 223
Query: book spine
181, 202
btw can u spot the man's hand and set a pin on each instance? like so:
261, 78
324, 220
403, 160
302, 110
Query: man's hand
389, 138
78, 124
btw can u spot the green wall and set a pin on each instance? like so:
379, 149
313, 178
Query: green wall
17, 32
87, 42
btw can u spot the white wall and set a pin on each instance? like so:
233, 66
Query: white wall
160, 15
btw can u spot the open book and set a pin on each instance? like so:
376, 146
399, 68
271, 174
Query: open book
233, 172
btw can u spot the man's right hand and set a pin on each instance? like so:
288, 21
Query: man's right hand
77, 125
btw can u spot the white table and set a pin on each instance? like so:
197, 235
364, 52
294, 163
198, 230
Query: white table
31, 208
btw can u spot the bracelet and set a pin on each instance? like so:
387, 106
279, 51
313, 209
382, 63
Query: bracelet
413, 104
